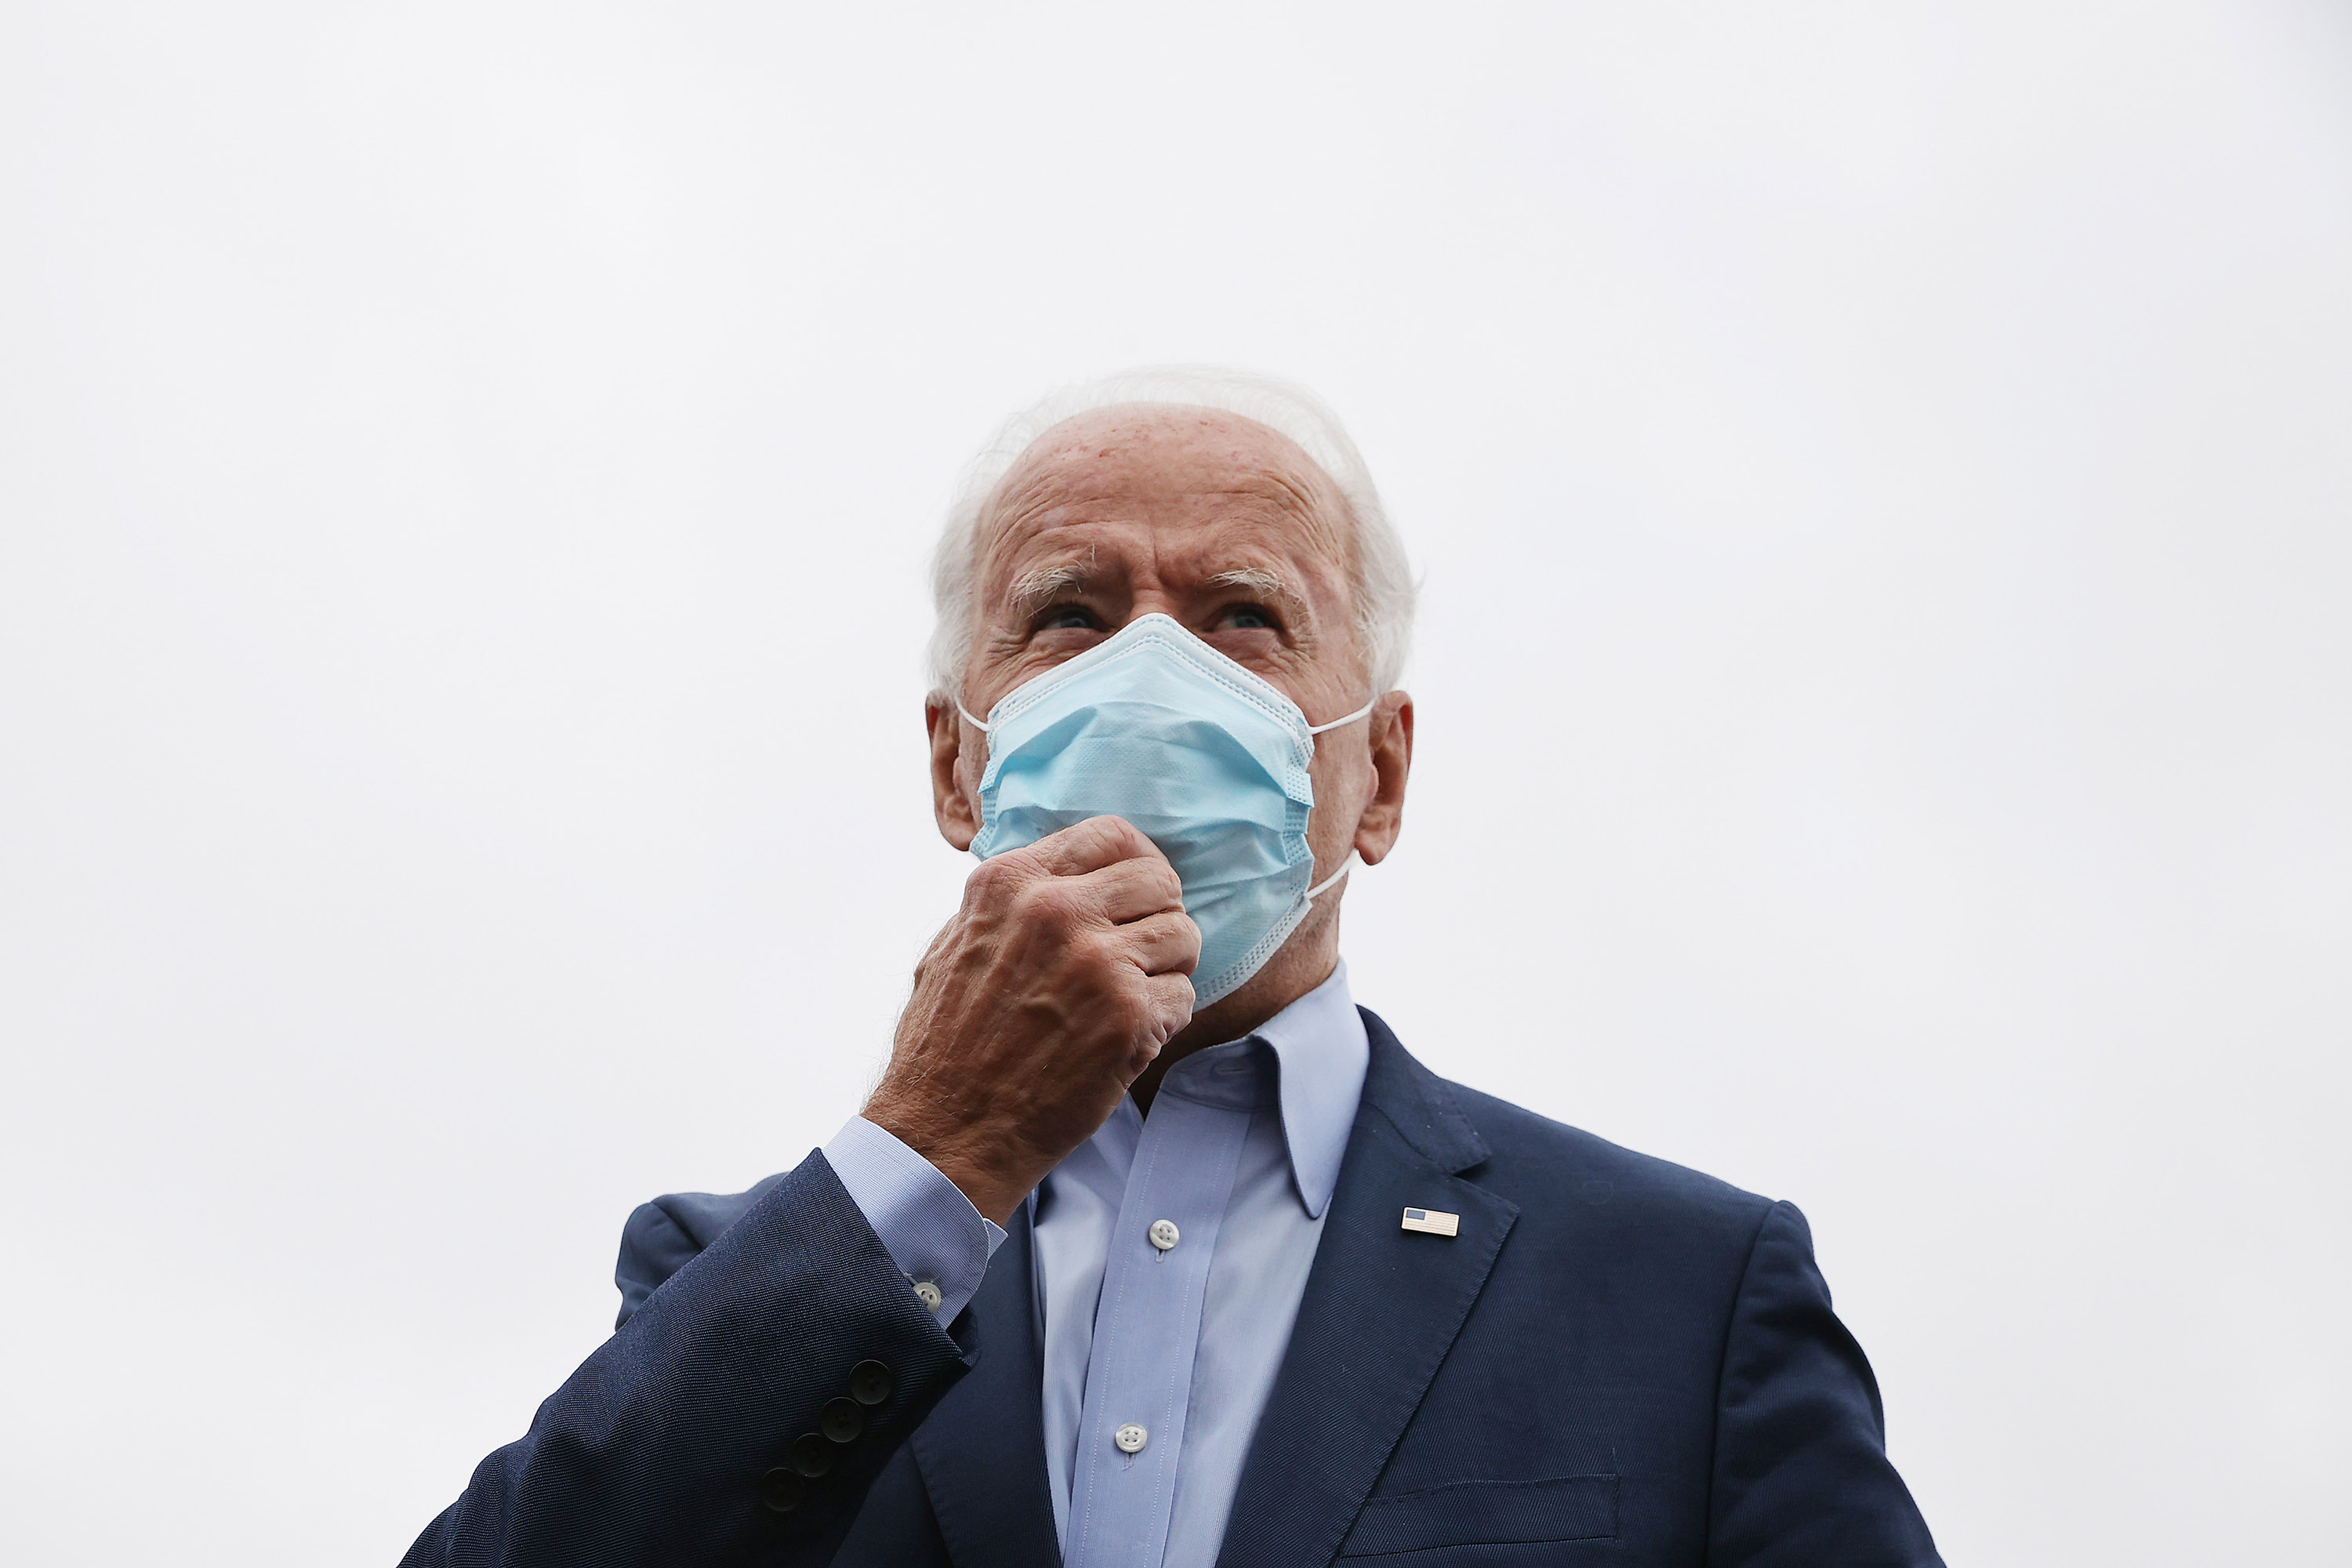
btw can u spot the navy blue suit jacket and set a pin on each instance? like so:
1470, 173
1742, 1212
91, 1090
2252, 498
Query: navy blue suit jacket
1616, 1361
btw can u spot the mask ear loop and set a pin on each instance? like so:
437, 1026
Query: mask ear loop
1324, 885
1319, 729
1319, 887
969, 718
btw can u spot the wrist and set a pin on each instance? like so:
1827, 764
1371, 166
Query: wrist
993, 1172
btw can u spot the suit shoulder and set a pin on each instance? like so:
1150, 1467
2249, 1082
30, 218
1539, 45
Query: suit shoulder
1534, 1157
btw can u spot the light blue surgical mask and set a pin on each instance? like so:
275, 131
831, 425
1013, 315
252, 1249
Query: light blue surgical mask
1206, 759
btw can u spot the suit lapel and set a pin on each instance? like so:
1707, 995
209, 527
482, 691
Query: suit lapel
983, 1448
1381, 1310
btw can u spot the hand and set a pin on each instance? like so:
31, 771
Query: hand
1065, 970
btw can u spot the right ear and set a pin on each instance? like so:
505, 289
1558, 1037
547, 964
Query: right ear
957, 812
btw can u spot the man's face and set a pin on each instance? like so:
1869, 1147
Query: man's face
1211, 519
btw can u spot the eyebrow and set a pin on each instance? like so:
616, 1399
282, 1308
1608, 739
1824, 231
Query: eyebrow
1033, 591
1277, 590
1258, 580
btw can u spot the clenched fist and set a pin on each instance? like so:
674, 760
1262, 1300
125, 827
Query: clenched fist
1065, 970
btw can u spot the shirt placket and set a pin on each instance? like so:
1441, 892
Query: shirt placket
1147, 1323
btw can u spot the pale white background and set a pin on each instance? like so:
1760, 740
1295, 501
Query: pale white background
1882, 475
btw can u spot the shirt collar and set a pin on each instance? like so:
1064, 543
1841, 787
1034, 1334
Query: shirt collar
1318, 1042
1320, 1055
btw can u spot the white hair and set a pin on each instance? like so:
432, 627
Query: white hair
1383, 580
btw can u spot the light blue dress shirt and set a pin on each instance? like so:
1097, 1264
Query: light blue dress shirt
1175, 1346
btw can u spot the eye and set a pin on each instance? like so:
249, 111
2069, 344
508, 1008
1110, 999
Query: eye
1247, 618
1066, 617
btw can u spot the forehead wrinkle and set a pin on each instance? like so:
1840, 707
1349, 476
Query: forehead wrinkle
1061, 471
1034, 588
1069, 483
1272, 516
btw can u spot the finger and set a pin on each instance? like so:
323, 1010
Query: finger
1091, 844
1171, 1000
1163, 944
1129, 890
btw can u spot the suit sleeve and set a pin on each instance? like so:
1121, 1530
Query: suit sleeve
676, 1442
1802, 1477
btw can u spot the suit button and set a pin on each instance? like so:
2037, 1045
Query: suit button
811, 1455
782, 1490
841, 1421
870, 1383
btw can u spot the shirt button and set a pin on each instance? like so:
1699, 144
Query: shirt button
927, 1294
1131, 1438
1164, 1233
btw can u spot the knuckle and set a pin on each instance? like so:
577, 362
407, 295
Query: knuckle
993, 878
1046, 901
1095, 949
1134, 1008
1120, 837
1170, 1005
1018, 898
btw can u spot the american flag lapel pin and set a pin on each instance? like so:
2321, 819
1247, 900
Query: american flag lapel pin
1430, 1222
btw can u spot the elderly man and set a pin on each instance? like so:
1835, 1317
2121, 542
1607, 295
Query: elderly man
1151, 1247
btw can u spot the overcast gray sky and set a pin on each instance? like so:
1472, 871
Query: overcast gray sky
1882, 476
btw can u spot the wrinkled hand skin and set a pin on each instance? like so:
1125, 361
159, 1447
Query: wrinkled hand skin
1066, 970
